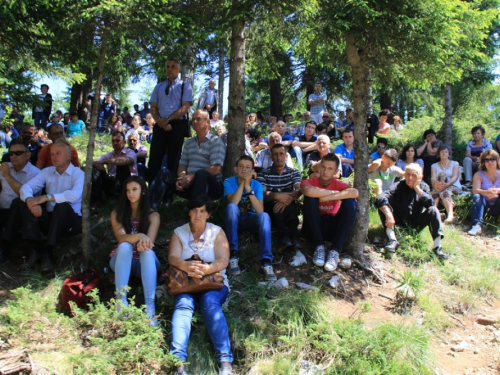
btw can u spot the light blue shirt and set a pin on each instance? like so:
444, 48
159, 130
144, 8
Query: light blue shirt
65, 187
23, 176
171, 103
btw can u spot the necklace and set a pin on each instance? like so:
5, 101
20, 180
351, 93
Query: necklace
447, 165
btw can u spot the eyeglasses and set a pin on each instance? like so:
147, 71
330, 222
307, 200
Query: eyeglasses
167, 89
380, 146
17, 153
494, 158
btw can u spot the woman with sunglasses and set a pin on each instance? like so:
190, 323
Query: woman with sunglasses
486, 190
210, 243
135, 227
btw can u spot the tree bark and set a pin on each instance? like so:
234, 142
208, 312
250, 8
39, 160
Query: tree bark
79, 92
86, 225
448, 111
236, 128
362, 107
276, 97
222, 73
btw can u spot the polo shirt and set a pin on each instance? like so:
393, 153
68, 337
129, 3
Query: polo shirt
342, 150
211, 151
275, 182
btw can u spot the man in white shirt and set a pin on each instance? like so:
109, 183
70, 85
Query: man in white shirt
12, 176
208, 98
58, 213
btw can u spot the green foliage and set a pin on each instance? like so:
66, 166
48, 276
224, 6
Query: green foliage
414, 248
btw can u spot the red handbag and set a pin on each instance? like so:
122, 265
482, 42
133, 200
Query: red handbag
76, 288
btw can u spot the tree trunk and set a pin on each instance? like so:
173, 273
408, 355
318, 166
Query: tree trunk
276, 97
86, 225
308, 82
236, 131
362, 107
222, 73
79, 92
448, 111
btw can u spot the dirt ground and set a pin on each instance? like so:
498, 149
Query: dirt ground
468, 347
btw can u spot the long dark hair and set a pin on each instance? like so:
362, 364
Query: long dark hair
124, 211
402, 156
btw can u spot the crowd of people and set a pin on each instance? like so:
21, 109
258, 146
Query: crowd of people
42, 186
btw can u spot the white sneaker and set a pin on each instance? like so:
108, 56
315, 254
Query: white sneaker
319, 256
332, 261
475, 230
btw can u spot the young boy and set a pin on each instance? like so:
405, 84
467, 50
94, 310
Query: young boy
245, 211
384, 171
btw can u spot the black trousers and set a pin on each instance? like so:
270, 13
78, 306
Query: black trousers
286, 221
61, 222
430, 218
102, 182
167, 142
203, 184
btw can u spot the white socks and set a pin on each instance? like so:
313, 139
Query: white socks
437, 241
390, 233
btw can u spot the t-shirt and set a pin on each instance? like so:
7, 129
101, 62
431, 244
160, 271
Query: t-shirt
75, 129
327, 207
342, 150
386, 177
478, 150
375, 155
231, 185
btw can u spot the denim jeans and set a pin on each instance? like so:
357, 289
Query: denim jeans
146, 268
40, 120
479, 204
236, 221
323, 228
210, 304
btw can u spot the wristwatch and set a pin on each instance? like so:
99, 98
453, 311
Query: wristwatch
50, 197
251, 192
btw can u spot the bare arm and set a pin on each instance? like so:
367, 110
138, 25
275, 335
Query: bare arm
374, 165
328, 195
421, 149
145, 242
119, 161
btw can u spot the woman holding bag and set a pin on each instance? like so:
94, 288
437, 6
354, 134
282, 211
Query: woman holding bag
135, 227
209, 242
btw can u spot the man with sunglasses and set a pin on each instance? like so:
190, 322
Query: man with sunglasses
55, 132
381, 147
12, 176
170, 103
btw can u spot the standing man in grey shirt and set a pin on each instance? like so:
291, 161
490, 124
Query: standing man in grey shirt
170, 103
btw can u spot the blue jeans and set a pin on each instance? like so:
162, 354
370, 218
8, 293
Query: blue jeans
235, 221
40, 120
211, 308
479, 204
146, 268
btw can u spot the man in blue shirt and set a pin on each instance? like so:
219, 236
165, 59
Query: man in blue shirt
245, 212
381, 147
170, 103
346, 150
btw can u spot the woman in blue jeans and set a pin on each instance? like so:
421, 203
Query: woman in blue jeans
135, 227
486, 190
210, 243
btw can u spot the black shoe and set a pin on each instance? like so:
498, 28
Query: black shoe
285, 241
4, 255
32, 260
296, 243
391, 246
46, 264
439, 253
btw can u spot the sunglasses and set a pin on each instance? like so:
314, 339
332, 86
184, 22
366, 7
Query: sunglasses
380, 146
167, 89
494, 158
17, 153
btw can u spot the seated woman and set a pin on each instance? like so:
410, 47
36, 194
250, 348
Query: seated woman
397, 124
137, 127
210, 243
444, 181
113, 124
486, 190
135, 227
473, 151
407, 156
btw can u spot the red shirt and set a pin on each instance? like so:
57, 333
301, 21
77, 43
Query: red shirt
327, 207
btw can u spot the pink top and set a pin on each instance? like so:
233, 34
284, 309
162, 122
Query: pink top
135, 230
486, 184
384, 128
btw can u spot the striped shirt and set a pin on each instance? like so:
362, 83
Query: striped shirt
285, 183
211, 151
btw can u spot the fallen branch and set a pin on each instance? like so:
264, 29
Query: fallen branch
386, 296
458, 320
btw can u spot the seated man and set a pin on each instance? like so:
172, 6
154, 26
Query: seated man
384, 171
346, 151
300, 144
281, 191
56, 214
121, 163
12, 176
55, 132
263, 158
409, 204
313, 160
381, 147
200, 167
301, 128
29, 139
429, 152
245, 211
326, 218
134, 143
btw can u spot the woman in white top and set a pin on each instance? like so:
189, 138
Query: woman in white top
444, 180
210, 243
